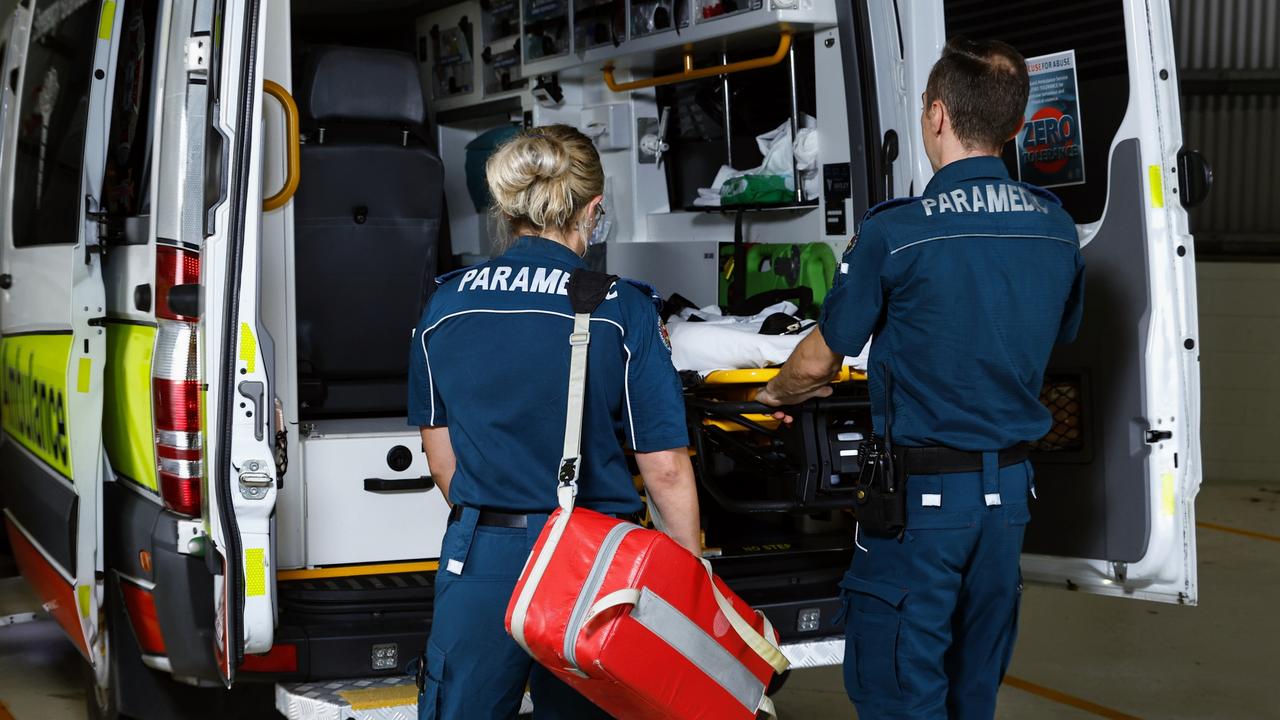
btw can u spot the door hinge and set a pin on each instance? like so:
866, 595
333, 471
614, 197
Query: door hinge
1155, 436
197, 55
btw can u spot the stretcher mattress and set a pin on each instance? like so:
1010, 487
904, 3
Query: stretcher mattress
720, 342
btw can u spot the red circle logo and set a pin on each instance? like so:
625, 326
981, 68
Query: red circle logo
1050, 129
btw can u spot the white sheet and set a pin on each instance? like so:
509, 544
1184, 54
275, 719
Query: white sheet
731, 343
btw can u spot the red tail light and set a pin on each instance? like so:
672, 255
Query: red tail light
174, 267
141, 606
175, 387
281, 658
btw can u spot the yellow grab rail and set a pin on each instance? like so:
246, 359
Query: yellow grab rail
692, 73
293, 145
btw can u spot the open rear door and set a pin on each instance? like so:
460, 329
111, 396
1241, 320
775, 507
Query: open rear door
1118, 474
51, 305
242, 474
13, 49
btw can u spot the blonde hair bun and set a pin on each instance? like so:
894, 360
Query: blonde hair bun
543, 177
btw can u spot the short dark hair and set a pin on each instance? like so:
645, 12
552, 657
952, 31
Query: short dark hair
984, 85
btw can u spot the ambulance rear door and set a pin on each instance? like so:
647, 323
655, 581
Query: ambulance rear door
242, 473
52, 302
1117, 475
13, 48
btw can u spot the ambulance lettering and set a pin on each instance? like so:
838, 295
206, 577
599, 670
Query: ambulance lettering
34, 411
504, 278
991, 198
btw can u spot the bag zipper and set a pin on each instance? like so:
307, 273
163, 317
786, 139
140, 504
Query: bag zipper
595, 578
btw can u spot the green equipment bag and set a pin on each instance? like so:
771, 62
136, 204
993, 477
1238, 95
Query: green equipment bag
774, 267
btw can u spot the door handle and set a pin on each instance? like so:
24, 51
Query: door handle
6, 281
1197, 177
293, 146
410, 484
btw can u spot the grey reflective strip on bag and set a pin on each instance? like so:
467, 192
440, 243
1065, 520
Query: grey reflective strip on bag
699, 648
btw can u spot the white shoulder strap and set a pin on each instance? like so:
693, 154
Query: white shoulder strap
567, 487
571, 460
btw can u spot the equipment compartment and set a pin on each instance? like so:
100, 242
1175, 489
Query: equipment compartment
370, 496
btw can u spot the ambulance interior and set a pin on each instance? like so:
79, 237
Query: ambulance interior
388, 197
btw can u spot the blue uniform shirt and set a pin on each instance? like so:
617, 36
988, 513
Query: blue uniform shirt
490, 360
966, 289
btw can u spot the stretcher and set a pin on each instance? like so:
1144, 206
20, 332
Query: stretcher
749, 462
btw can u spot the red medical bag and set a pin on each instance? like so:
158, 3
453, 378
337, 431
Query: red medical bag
628, 617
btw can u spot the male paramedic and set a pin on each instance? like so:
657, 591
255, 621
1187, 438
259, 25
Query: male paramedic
966, 289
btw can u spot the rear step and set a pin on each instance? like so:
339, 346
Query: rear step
389, 698
396, 698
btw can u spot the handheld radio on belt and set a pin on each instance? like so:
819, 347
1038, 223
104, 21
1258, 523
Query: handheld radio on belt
880, 495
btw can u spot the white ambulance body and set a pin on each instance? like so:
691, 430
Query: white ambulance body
195, 495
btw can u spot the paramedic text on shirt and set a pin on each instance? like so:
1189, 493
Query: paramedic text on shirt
966, 289
488, 384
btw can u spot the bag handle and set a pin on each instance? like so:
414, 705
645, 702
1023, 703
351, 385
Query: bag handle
761, 644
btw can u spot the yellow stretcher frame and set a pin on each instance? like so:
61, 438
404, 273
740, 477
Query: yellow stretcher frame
753, 376
760, 376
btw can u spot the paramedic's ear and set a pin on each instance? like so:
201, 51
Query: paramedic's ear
592, 214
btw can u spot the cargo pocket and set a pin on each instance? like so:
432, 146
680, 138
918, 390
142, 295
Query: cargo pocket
874, 628
430, 694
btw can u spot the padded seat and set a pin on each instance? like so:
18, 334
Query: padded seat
367, 219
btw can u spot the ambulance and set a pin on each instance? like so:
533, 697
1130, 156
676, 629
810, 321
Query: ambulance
220, 221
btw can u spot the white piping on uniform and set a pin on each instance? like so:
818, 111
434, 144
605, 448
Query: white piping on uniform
856, 527
626, 390
984, 235
621, 331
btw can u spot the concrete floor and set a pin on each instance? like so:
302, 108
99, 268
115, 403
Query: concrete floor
1080, 656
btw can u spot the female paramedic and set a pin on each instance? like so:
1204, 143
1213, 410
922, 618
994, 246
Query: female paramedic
488, 385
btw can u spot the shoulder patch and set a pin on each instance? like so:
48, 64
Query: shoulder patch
662, 332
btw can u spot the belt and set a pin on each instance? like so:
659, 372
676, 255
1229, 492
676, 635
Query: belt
499, 518
939, 460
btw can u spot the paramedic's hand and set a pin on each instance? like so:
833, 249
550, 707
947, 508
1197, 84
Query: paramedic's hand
768, 396
805, 375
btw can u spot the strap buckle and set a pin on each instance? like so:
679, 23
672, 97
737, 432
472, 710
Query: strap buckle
579, 339
569, 474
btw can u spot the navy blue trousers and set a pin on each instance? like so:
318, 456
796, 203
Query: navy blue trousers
474, 669
931, 617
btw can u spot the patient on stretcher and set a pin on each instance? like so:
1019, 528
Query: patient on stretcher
704, 339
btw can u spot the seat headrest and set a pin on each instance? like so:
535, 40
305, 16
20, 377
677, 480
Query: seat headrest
347, 83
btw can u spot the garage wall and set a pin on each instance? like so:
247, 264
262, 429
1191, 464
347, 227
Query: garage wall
1240, 370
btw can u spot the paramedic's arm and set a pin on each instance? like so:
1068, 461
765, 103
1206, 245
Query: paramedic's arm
806, 374
654, 419
440, 457
668, 478
428, 412
849, 313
